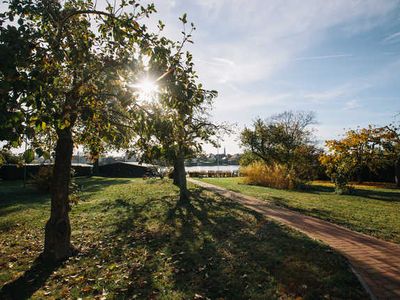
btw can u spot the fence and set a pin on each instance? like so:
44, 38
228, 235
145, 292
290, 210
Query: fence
213, 173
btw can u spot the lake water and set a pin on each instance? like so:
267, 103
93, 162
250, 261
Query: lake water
231, 168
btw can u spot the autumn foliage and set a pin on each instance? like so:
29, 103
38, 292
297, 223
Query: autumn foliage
366, 148
275, 175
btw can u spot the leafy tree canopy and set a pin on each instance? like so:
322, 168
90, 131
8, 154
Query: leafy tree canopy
285, 139
62, 68
64, 82
177, 122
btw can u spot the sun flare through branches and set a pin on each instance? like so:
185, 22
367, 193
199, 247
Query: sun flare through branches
146, 90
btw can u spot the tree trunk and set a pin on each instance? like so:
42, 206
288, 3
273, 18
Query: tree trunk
175, 174
181, 176
397, 172
96, 167
359, 176
57, 245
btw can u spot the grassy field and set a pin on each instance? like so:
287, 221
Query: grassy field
371, 210
136, 242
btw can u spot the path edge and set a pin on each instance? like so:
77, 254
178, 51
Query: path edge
353, 270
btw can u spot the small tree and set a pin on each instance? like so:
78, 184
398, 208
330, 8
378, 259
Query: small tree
358, 150
284, 139
61, 83
340, 168
388, 137
176, 127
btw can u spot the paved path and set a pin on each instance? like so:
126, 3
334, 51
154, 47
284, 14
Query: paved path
376, 262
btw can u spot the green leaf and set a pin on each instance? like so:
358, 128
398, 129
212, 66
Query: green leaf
183, 18
29, 156
46, 154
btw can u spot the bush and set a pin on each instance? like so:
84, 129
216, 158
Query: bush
275, 176
7, 157
340, 169
43, 179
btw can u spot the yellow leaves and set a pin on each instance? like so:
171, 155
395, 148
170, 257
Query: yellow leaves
65, 292
325, 159
136, 25
87, 289
87, 89
66, 124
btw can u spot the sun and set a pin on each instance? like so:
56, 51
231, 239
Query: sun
146, 90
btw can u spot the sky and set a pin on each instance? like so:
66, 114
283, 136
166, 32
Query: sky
339, 59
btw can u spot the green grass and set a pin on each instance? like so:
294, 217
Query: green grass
371, 210
136, 242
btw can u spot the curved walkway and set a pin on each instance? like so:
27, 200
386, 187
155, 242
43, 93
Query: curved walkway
375, 262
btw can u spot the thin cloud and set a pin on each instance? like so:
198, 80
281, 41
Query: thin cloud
351, 105
242, 48
320, 57
395, 37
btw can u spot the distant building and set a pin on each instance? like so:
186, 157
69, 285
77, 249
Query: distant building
17, 172
127, 170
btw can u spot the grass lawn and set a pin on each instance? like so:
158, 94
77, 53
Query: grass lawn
371, 210
136, 242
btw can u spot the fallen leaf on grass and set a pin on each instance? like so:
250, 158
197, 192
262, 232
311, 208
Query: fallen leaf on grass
87, 289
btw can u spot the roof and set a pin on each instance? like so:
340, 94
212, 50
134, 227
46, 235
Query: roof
132, 164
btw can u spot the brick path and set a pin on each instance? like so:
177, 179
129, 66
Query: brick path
375, 262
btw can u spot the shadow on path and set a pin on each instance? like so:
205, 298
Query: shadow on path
377, 261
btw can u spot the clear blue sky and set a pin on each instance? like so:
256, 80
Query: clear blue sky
340, 59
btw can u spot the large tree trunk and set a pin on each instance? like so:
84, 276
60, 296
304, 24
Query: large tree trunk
57, 245
181, 176
175, 174
397, 172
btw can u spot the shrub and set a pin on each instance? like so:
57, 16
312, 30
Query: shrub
340, 169
7, 157
275, 176
43, 179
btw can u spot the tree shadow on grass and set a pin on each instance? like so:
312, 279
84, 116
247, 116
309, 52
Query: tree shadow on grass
214, 247
15, 194
32, 280
390, 196
93, 185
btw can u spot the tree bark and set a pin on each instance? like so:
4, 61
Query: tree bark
181, 176
359, 176
96, 167
397, 172
57, 245
175, 174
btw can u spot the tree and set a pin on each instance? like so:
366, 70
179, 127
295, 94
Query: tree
358, 150
247, 158
388, 137
339, 166
7, 157
285, 139
62, 80
176, 127
100, 140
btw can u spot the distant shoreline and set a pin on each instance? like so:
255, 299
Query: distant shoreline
213, 168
